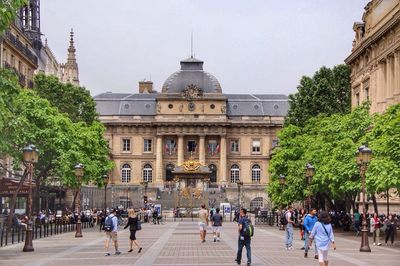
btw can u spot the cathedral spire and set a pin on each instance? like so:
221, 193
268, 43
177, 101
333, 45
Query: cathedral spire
70, 69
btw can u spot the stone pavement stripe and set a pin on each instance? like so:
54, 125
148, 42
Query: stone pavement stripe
65, 253
233, 244
150, 256
333, 254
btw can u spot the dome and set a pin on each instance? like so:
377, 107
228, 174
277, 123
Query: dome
191, 73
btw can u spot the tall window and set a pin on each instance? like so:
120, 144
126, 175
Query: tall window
213, 147
191, 146
213, 176
126, 144
147, 147
148, 173
126, 173
256, 173
235, 173
256, 146
235, 145
357, 99
170, 146
168, 172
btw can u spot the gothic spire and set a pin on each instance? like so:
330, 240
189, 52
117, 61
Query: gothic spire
70, 68
71, 49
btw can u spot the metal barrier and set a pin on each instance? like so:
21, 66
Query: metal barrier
270, 219
17, 235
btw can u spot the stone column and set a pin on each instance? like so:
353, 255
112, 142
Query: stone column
388, 77
397, 73
222, 162
180, 149
202, 154
159, 161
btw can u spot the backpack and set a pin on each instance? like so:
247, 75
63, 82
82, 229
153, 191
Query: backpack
108, 224
283, 219
248, 230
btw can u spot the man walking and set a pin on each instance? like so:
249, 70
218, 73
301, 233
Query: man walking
216, 220
288, 223
244, 239
111, 228
309, 223
203, 222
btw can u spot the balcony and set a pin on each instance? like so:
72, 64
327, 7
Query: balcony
19, 46
21, 77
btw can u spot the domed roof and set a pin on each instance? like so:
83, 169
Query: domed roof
191, 73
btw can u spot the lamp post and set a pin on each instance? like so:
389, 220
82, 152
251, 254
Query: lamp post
78, 174
145, 184
30, 157
239, 186
105, 179
363, 157
282, 180
310, 172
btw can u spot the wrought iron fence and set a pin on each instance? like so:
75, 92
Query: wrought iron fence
17, 234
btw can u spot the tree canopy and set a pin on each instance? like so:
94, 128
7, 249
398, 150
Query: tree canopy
327, 92
72, 100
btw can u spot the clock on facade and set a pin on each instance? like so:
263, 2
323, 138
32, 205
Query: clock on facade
191, 106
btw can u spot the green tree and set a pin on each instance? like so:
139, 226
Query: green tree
73, 100
327, 92
8, 12
329, 143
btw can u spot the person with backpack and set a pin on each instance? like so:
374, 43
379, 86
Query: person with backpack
134, 225
111, 228
309, 222
216, 220
322, 232
287, 221
246, 231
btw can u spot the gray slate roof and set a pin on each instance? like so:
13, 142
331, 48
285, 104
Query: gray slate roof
237, 104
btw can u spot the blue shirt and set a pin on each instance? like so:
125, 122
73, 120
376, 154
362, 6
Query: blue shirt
114, 219
309, 222
321, 237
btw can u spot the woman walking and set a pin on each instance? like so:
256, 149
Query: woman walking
375, 224
391, 224
133, 223
322, 232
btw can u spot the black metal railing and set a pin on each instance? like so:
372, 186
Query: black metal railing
17, 234
271, 219
21, 47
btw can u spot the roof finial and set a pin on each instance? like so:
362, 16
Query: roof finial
191, 45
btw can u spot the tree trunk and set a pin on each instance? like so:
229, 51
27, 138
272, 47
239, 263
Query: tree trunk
331, 205
14, 200
36, 196
375, 204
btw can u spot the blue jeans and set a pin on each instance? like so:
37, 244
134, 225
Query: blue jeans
306, 247
241, 243
289, 235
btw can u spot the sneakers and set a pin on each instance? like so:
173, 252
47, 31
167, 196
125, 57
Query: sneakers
237, 261
107, 254
117, 252
202, 241
374, 244
305, 255
215, 240
316, 257
379, 244
303, 248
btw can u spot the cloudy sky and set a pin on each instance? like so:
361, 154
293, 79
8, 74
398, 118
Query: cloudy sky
252, 46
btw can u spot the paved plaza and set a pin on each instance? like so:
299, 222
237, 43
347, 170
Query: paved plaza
177, 243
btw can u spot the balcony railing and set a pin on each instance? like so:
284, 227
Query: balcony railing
8, 36
21, 77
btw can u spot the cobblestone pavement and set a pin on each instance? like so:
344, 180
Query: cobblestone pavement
179, 244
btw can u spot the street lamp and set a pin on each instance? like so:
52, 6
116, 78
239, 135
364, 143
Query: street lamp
30, 157
310, 172
105, 179
239, 186
282, 180
145, 183
363, 158
78, 174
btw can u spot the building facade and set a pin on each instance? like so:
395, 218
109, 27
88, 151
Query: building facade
375, 57
152, 134
375, 69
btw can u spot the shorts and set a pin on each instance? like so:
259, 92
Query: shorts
133, 235
112, 235
202, 226
322, 255
217, 229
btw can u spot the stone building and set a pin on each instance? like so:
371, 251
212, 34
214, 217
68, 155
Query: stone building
162, 143
375, 68
375, 57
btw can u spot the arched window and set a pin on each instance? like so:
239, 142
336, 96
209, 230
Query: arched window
126, 173
148, 173
256, 203
213, 176
235, 173
256, 173
168, 172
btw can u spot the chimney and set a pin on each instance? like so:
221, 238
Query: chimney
145, 86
